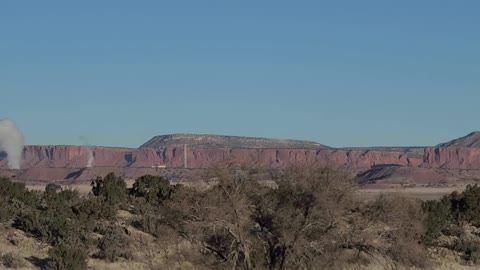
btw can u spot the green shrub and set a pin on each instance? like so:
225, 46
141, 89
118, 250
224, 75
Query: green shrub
111, 188
470, 249
92, 209
147, 222
114, 245
10, 260
13, 197
57, 199
68, 255
471, 199
438, 216
152, 188
12, 189
7, 211
455, 208
60, 215
50, 226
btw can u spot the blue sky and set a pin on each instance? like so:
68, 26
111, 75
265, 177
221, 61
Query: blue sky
343, 73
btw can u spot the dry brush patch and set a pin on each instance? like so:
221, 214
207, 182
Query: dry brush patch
307, 217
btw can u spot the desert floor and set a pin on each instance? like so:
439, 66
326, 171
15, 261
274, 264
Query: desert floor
367, 192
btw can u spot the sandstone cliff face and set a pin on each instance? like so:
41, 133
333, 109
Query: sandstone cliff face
68, 156
451, 157
68, 162
173, 157
63, 162
77, 156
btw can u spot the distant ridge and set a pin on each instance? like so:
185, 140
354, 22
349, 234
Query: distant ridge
471, 140
210, 140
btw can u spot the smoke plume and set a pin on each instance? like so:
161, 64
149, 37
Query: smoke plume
11, 142
90, 156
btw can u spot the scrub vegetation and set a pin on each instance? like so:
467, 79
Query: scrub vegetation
310, 218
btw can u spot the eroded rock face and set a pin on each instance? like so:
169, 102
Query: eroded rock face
173, 157
68, 156
65, 162
46, 162
451, 157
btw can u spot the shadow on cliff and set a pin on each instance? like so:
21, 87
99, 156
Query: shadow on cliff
376, 172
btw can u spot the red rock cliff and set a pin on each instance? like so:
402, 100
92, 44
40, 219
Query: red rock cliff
173, 157
452, 157
59, 162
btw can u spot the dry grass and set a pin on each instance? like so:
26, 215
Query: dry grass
27, 249
149, 252
366, 193
423, 193
83, 187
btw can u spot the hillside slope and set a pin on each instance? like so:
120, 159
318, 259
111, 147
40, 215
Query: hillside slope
471, 140
212, 141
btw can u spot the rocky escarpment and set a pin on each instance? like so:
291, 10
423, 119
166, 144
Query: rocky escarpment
471, 140
71, 156
197, 158
59, 162
452, 157
68, 162
46, 162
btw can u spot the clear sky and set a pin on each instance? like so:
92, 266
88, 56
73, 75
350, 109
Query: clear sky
343, 73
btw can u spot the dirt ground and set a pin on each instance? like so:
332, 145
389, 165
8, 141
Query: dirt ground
367, 192
148, 254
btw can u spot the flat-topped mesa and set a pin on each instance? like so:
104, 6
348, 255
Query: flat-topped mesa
471, 140
223, 141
